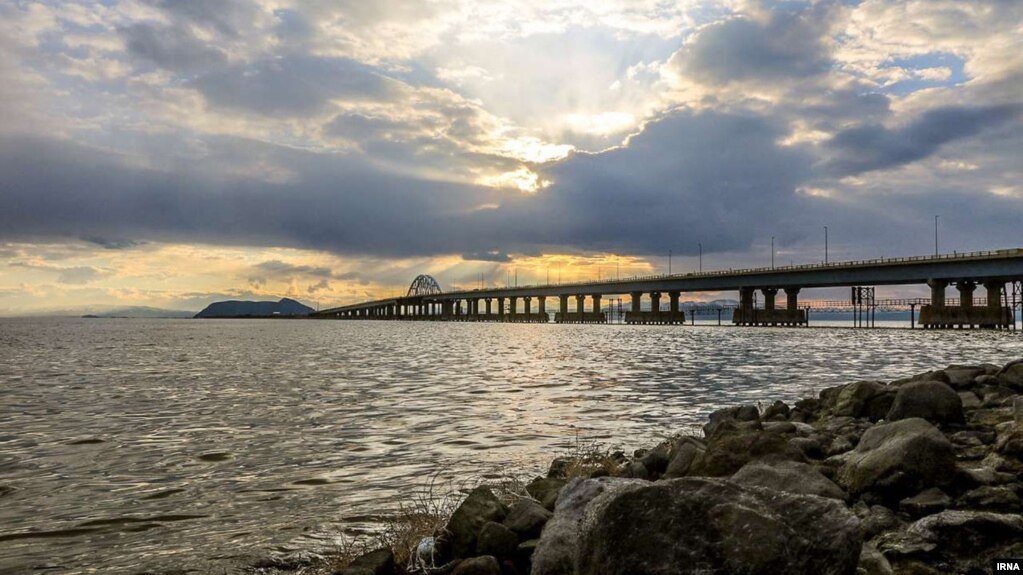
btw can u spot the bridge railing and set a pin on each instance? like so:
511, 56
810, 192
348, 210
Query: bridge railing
745, 271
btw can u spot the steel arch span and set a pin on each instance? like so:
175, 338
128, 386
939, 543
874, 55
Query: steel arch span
423, 285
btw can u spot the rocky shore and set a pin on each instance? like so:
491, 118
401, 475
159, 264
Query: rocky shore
917, 476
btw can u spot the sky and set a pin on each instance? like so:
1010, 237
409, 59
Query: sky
171, 153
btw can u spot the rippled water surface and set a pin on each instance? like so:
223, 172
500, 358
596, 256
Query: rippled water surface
164, 445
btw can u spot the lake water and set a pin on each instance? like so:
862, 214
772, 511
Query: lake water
130, 446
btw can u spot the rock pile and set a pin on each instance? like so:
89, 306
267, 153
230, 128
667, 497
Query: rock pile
920, 475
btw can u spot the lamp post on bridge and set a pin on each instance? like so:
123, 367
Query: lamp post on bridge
701, 256
825, 244
935, 236
772, 252
669, 262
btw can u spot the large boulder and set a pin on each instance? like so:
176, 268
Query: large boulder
728, 451
788, 476
708, 525
862, 399
527, 518
687, 450
462, 530
930, 400
485, 565
1012, 374
900, 458
545, 490
555, 553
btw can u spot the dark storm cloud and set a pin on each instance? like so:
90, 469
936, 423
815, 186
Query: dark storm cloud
173, 48
718, 179
487, 256
874, 147
293, 85
112, 243
787, 44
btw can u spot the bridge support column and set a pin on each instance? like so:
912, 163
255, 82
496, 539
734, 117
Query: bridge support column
637, 299
541, 302
792, 298
770, 294
487, 300
596, 304
500, 309
937, 292
744, 315
995, 309
655, 305
527, 306
966, 289
994, 293
513, 303
563, 309
580, 307
673, 316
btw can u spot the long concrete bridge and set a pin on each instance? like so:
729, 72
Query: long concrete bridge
1000, 273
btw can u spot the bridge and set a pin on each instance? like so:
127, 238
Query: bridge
1000, 272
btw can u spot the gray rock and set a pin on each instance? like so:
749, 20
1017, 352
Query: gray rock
872, 562
556, 551
718, 418
1012, 374
560, 466
656, 460
788, 476
497, 540
727, 452
877, 520
993, 498
545, 490
963, 376
687, 450
982, 476
776, 411
637, 470
747, 413
930, 400
527, 518
710, 525
853, 399
969, 399
926, 502
459, 537
378, 562
903, 457
967, 531
485, 565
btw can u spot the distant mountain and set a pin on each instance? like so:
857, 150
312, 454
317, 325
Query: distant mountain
285, 307
141, 311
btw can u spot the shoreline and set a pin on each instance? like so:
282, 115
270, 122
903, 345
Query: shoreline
919, 475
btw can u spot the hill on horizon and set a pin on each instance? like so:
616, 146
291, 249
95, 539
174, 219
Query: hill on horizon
237, 308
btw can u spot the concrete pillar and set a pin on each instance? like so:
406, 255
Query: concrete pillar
488, 305
792, 298
596, 303
994, 293
580, 305
673, 301
966, 289
541, 302
458, 307
655, 301
512, 304
564, 306
937, 292
500, 306
527, 304
769, 297
746, 300
636, 299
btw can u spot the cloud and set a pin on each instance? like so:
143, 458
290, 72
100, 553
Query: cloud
174, 48
782, 44
293, 84
875, 147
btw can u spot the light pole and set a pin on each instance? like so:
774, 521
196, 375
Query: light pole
772, 252
825, 244
701, 257
935, 236
669, 262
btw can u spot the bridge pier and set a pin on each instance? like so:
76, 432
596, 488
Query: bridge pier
771, 315
939, 315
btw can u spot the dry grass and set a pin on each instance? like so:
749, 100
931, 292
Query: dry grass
587, 458
424, 515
